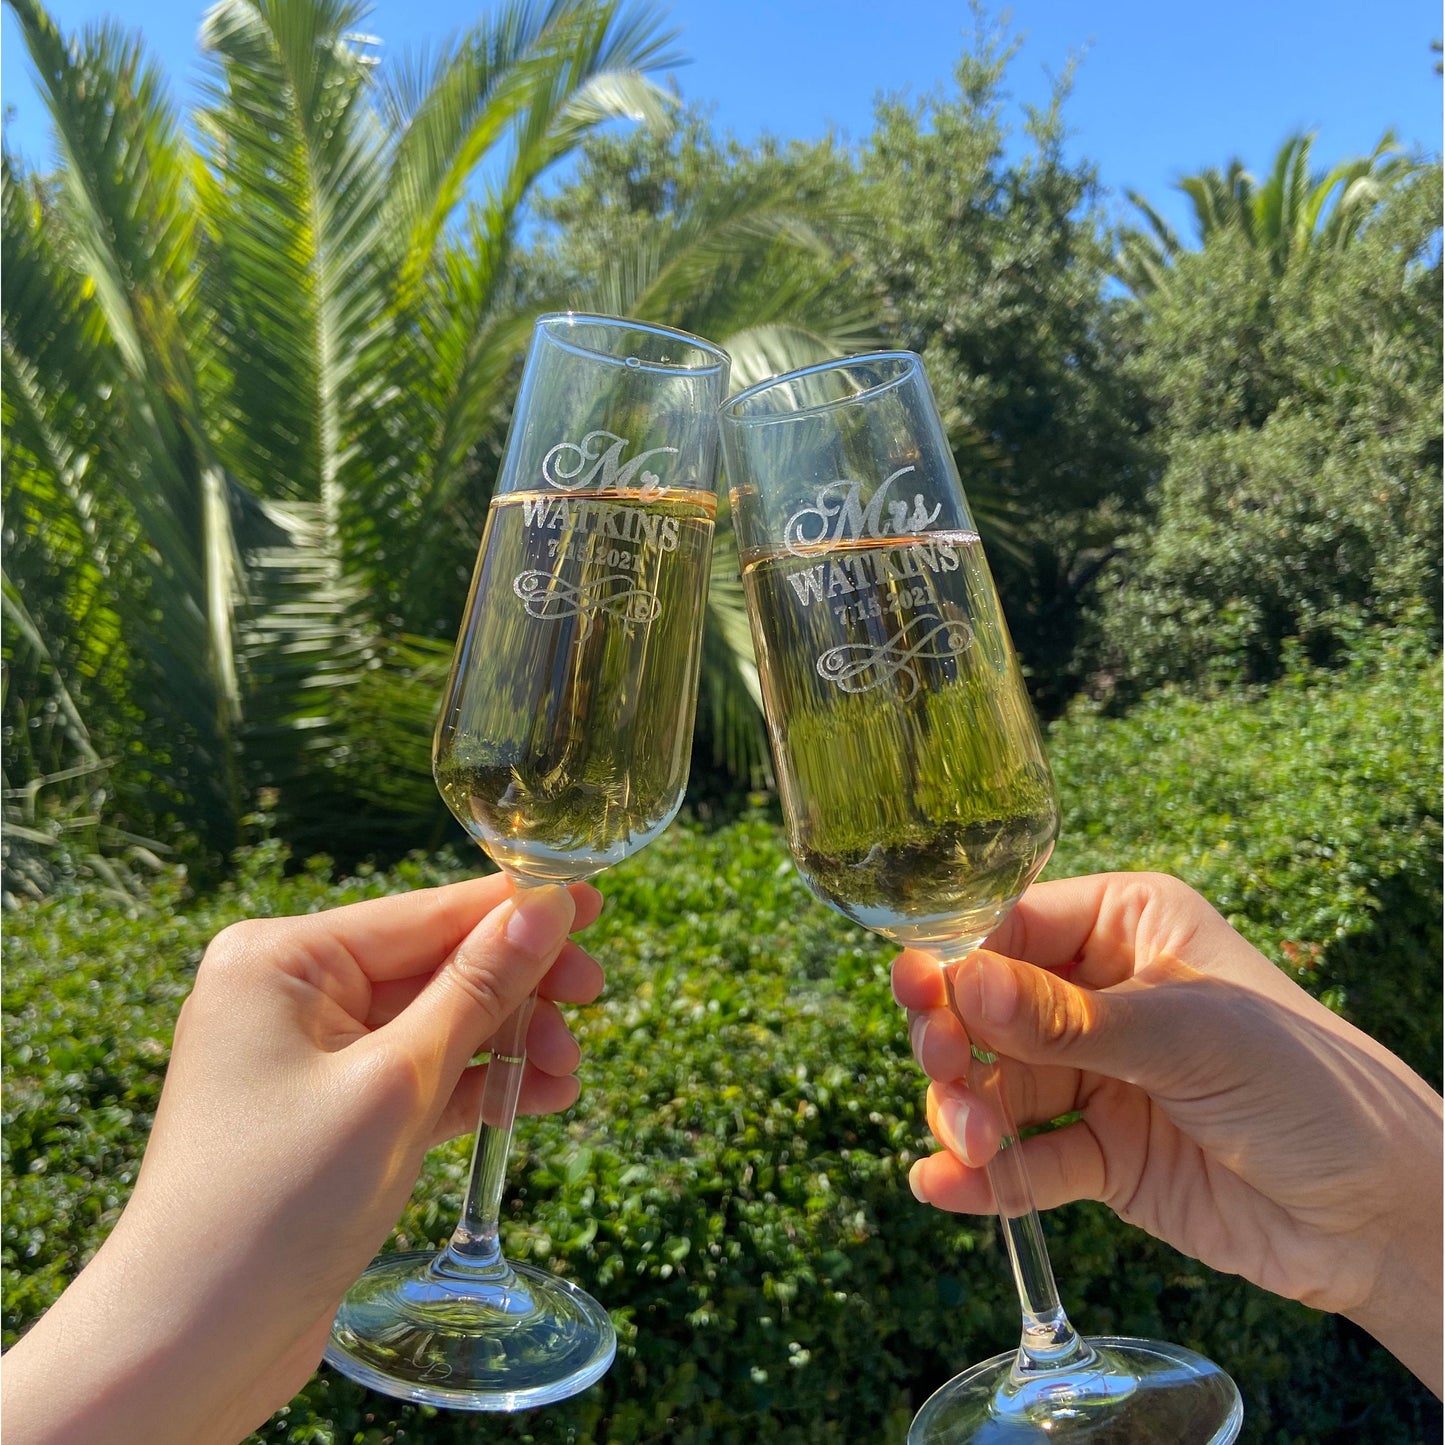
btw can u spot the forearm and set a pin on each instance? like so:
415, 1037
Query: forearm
1410, 1326
71, 1380
141, 1349
1404, 1310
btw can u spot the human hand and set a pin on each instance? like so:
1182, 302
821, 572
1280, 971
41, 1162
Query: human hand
1221, 1107
315, 1062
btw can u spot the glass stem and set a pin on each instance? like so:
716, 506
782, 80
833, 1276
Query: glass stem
475, 1248
1049, 1341
475, 1245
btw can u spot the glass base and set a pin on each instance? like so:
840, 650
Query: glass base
501, 1340
1130, 1392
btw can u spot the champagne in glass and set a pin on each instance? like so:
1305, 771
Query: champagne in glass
973, 818
919, 802
562, 747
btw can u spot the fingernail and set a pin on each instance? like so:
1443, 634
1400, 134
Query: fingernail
953, 1115
540, 919
998, 990
917, 1032
915, 1183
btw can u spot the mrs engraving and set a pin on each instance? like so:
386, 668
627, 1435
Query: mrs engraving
567, 468
838, 515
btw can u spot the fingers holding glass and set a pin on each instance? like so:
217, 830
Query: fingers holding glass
1035, 1093
576, 977
1064, 1164
549, 1082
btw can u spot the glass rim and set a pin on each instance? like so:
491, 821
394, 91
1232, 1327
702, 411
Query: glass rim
732, 409
554, 324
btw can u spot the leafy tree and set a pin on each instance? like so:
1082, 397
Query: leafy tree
1301, 410
995, 269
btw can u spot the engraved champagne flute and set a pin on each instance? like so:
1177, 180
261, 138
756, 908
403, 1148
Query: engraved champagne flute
562, 747
918, 802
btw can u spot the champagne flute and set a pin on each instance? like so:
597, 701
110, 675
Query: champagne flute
562, 747
919, 803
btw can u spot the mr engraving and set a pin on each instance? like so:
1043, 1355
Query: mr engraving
611, 513
566, 465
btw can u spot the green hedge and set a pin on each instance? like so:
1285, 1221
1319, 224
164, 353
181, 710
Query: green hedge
732, 1182
1308, 813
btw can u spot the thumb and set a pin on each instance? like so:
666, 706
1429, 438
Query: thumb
490, 974
1037, 1017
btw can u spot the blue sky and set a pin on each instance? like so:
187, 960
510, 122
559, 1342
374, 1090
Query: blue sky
1161, 89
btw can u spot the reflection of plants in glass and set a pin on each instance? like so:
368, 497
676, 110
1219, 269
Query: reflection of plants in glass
968, 776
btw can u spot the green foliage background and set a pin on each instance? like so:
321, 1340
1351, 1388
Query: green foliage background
733, 1181
1300, 418
240, 500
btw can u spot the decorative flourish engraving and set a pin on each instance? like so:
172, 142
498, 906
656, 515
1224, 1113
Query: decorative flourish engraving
838, 515
566, 465
859, 667
548, 596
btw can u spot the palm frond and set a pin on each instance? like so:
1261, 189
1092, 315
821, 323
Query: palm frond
388, 766
303, 649
1293, 212
449, 112
128, 217
771, 349
296, 203
19, 623
569, 63
534, 77
1348, 195
1276, 206
1163, 233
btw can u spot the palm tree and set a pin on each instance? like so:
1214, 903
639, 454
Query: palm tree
267, 345
1293, 211
256, 373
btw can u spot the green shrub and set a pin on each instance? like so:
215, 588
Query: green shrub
1308, 813
732, 1182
